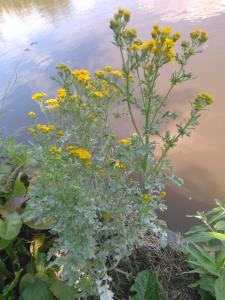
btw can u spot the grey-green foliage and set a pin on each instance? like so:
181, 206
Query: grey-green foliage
205, 248
96, 209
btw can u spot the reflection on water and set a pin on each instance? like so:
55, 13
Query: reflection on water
192, 10
35, 35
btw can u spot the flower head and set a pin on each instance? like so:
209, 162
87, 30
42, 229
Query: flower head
202, 100
81, 153
125, 141
146, 197
32, 115
52, 104
61, 93
37, 96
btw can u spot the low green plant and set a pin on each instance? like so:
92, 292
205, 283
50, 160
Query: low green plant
205, 249
145, 286
24, 273
85, 191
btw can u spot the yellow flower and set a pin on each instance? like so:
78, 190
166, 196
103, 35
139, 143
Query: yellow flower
147, 197
45, 128
53, 149
61, 93
163, 194
52, 104
123, 12
82, 76
117, 73
99, 73
148, 45
81, 153
170, 53
169, 43
119, 165
176, 36
108, 68
32, 115
135, 47
202, 100
203, 37
97, 94
105, 87
38, 96
125, 142
195, 34
166, 30
70, 147
60, 132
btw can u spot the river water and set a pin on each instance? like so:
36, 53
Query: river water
36, 35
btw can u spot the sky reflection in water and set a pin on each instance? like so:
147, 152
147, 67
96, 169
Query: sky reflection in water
77, 33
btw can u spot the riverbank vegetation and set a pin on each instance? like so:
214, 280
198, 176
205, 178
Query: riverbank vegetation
90, 201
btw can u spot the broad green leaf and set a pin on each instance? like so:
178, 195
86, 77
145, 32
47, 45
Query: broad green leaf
10, 228
216, 235
145, 286
199, 238
220, 225
25, 281
19, 190
4, 243
220, 260
61, 290
220, 289
206, 283
37, 290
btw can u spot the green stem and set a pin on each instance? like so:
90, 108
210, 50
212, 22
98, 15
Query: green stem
127, 90
147, 117
167, 148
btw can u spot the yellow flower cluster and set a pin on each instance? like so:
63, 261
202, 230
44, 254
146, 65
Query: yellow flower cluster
52, 104
163, 194
202, 100
38, 96
200, 35
147, 197
99, 73
125, 142
56, 151
118, 165
117, 73
32, 115
108, 68
123, 12
81, 153
61, 93
45, 128
162, 42
60, 132
97, 94
82, 76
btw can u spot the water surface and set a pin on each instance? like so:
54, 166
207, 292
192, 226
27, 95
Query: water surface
36, 35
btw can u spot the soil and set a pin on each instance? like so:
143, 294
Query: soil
169, 265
